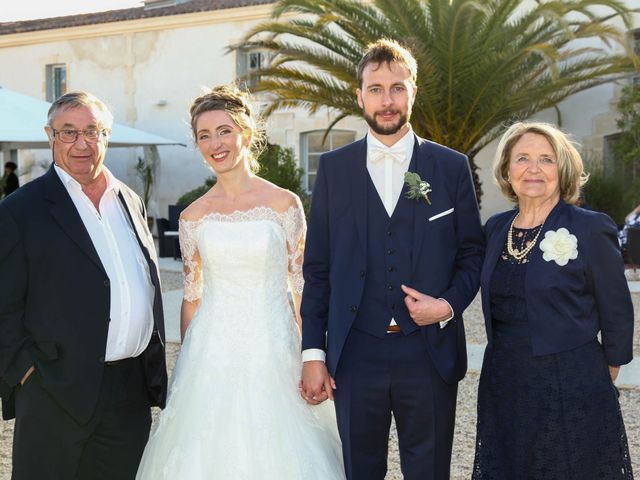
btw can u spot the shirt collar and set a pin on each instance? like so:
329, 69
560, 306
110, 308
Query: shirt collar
70, 182
407, 142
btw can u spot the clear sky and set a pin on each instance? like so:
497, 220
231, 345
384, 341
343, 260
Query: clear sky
12, 10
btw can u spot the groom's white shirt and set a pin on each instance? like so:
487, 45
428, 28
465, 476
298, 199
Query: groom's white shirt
387, 175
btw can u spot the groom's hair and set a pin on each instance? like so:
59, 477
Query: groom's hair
386, 51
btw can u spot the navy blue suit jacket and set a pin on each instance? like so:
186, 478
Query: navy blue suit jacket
568, 305
55, 298
446, 256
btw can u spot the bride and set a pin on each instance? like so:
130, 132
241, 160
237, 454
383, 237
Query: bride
233, 410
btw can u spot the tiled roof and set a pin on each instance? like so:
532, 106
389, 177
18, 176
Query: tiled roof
136, 13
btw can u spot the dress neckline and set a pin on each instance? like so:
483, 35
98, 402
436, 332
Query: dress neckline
531, 229
253, 213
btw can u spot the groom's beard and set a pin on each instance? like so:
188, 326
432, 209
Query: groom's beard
388, 130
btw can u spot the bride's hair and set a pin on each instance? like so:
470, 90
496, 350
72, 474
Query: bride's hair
236, 103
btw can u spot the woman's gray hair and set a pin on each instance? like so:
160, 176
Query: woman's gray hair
571, 174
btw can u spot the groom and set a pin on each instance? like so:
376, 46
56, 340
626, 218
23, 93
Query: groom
387, 278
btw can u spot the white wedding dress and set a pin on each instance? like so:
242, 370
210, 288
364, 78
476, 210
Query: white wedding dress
234, 411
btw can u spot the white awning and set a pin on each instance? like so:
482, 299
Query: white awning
22, 120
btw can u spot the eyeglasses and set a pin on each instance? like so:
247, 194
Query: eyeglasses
91, 135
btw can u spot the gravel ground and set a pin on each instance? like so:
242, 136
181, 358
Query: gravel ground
171, 280
464, 440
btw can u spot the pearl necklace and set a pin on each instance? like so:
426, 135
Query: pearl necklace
525, 251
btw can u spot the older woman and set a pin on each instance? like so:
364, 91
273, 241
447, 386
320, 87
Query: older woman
552, 280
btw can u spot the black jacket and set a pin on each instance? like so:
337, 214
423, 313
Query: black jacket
55, 298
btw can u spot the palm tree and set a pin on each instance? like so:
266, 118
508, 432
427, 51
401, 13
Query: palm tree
481, 63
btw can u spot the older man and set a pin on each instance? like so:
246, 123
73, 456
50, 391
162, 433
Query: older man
81, 326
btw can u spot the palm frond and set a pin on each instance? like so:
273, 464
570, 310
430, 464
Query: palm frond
481, 63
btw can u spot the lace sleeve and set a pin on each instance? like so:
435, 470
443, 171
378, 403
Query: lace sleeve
295, 228
192, 264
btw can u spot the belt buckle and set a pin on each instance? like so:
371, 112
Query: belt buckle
394, 329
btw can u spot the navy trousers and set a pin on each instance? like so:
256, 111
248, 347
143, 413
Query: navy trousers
394, 374
49, 444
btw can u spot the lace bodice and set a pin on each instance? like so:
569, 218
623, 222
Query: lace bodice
233, 408
215, 243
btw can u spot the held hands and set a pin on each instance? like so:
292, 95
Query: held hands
425, 309
316, 385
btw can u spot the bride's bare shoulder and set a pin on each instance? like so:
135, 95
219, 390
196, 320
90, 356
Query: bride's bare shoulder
199, 208
278, 198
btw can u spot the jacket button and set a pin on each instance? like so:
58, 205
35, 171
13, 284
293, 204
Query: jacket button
393, 306
391, 269
389, 233
390, 251
107, 283
390, 288
361, 273
353, 308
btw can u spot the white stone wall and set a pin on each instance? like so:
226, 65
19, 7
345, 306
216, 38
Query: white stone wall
149, 75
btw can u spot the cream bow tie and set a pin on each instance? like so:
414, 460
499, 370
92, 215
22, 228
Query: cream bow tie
378, 154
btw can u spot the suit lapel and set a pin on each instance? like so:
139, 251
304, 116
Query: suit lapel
537, 265
357, 177
136, 222
421, 164
495, 245
66, 215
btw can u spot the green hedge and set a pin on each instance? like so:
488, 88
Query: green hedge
614, 193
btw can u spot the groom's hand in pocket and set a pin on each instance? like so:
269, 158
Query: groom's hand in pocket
316, 385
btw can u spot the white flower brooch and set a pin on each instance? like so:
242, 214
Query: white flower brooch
417, 188
559, 246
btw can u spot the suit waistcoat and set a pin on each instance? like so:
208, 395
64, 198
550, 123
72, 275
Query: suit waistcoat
389, 243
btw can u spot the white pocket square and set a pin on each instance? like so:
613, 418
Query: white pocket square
441, 214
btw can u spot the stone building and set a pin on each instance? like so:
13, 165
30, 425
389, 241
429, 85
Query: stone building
149, 62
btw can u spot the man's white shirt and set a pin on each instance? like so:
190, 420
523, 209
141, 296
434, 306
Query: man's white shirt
386, 167
132, 292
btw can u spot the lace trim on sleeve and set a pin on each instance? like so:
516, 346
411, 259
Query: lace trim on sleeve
295, 228
192, 264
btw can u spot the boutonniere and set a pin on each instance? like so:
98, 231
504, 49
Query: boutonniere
559, 246
416, 187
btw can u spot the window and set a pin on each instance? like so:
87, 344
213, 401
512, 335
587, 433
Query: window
248, 61
56, 81
311, 148
609, 160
